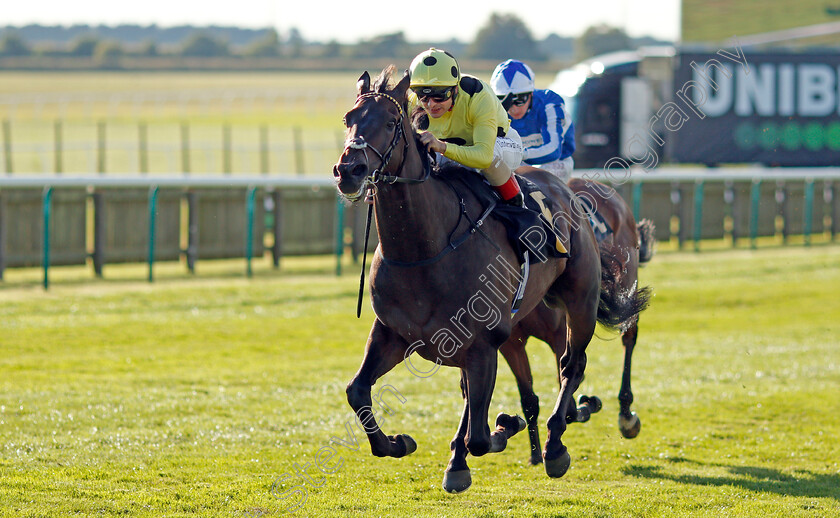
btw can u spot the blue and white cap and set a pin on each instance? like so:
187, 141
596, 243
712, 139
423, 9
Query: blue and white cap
512, 77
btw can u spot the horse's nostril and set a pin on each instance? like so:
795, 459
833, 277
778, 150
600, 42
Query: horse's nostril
336, 174
359, 170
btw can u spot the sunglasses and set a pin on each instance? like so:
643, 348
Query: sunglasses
438, 95
514, 100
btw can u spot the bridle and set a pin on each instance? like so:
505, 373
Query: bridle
378, 175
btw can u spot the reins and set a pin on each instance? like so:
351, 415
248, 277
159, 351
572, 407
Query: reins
377, 175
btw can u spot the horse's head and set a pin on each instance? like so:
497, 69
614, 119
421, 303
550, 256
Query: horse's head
375, 125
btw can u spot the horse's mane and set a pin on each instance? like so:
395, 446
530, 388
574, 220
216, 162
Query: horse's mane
385, 81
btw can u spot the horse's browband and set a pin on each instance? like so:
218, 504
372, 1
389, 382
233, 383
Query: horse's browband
374, 94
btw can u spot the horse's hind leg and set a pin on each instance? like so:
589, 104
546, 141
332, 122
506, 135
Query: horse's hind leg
581, 326
384, 351
514, 352
628, 422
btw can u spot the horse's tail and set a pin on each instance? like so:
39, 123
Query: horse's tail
646, 229
618, 308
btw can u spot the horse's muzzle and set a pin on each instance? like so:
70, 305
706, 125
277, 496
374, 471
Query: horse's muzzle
350, 178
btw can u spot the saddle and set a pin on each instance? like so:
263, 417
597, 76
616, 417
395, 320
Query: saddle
516, 220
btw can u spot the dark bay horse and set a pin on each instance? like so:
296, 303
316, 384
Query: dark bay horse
431, 285
635, 242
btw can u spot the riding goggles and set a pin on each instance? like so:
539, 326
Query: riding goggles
514, 99
436, 94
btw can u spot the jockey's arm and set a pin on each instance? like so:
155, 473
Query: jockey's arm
480, 153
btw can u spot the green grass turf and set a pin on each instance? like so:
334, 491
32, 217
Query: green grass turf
714, 21
192, 395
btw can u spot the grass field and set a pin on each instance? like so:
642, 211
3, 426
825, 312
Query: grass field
192, 396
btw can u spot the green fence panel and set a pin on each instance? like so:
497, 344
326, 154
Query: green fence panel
23, 227
123, 235
655, 205
221, 221
307, 221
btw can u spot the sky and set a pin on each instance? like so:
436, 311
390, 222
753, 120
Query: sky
349, 21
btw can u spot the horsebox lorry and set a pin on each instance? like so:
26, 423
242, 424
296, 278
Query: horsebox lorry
729, 105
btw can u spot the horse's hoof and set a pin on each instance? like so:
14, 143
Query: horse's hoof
629, 426
556, 468
409, 444
511, 423
535, 460
583, 414
457, 481
593, 402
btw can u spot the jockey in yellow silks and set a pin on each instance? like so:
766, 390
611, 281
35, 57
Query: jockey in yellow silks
467, 123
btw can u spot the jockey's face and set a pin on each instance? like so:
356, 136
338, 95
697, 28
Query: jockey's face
436, 109
517, 111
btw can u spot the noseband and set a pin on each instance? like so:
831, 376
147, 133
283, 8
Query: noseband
377, 175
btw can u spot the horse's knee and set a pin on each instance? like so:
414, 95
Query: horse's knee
357, 394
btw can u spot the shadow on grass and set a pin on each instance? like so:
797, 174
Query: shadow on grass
751, 478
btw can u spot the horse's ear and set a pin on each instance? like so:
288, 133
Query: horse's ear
363, 84
402, 86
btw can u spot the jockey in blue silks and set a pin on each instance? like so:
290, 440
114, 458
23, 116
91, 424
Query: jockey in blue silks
539, 116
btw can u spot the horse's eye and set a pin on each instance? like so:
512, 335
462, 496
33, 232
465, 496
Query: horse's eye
344, 121
391, 124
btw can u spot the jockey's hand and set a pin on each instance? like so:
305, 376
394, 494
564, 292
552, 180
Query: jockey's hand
432, 143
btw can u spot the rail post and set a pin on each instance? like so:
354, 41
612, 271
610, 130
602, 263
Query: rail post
755, 200
297, 139
46, 205
153, 194
264, 149
143, 146
698, 213
227, 162
100, 147
249, 231
57, 147
7, 144
809, 210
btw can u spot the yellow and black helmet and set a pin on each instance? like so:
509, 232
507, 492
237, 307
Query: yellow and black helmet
434, 68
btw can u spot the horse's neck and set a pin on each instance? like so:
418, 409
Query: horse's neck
414, 220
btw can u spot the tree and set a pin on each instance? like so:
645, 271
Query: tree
504, 36
296, 43
108, 54
149, 49
202, 45
332, 49
84, 46
266, 47
13, 45
384, 46
601, 39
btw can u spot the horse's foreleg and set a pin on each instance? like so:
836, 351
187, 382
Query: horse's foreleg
457, 477
581, 326
383, 352
481, 380
514, 352
628, 422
